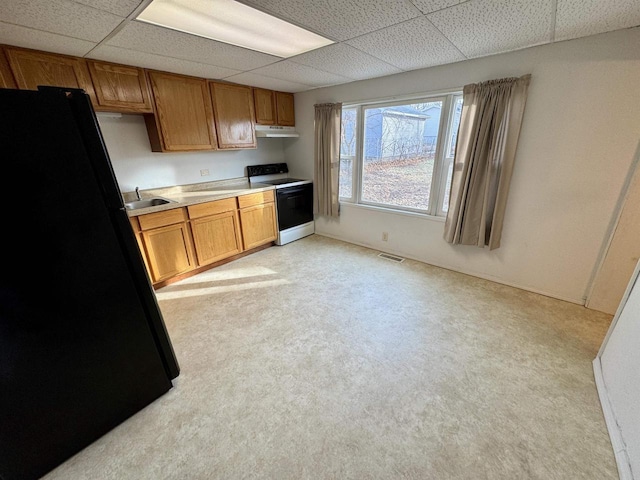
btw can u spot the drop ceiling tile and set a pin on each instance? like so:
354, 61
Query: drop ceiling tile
60, 16
578, 18
255, 80
339, 19
485, 27
157, 62
38, 40
409, 45
343, 59
294, 72
171, 43
118, 7
428, 6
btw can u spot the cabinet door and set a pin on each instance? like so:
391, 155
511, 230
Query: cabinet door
135, 225
6, 77
120, 88
32, 68
258, 225
216, 237
285, 114
183, 113
168, 251
265, 106
233, 110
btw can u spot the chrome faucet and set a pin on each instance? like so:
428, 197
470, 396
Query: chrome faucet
138, 193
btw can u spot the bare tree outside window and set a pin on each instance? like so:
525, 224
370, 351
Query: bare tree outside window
400, 155
400, 144
348, 145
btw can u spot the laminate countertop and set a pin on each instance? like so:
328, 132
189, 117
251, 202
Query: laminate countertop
191, 194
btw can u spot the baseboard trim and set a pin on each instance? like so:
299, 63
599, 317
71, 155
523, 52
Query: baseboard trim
619, 447
465, 272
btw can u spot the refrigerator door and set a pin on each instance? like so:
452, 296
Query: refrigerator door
78, 354
98, 156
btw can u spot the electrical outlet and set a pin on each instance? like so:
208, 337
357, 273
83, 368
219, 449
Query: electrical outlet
204, 173
385, 236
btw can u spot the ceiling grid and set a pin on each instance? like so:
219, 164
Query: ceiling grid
373, 37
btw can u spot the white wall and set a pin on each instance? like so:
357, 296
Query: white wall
622, 253
135, 165
617, 371
579, 135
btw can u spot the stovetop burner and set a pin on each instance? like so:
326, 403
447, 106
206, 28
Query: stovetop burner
275, 174
282, 181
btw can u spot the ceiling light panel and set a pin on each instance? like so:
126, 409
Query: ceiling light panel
231, 22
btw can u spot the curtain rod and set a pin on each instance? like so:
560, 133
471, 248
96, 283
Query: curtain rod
407, 96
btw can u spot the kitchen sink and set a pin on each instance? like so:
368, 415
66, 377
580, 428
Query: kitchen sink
147, 202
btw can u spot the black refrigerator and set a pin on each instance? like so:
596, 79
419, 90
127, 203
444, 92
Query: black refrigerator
83, 344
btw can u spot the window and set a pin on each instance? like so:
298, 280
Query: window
400, 155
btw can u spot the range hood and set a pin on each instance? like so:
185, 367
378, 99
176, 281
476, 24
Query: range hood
272, 131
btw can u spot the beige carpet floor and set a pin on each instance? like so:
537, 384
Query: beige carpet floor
320, 360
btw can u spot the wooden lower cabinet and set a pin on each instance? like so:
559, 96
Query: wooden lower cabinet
167, 243
216, 230
258, 219
135, 226
258, 225
188, 239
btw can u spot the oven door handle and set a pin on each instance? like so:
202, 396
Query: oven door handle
289, 190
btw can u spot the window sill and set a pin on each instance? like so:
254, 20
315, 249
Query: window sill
393, 211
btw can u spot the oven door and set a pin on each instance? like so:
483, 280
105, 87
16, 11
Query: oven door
295, 205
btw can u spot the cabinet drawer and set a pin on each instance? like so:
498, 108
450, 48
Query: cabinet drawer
160, 219
255, 199
212, 208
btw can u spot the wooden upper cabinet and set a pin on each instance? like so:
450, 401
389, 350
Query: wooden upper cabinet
285, 114
274, 108
183, 119
120, 88
234, 115
265, 106
6, 77
33, 68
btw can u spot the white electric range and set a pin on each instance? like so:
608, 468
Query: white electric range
294, 200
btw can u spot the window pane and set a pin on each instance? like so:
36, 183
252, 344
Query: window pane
455, 123
447, 188
347, 151
451, 149
399, 149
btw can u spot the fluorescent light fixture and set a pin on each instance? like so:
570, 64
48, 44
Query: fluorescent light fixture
232, 22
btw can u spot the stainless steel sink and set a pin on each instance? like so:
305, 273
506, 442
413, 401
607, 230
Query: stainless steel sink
147, 202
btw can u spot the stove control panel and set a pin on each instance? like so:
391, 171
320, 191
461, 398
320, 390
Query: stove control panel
267, 169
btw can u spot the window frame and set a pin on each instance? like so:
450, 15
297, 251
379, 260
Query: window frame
439, 175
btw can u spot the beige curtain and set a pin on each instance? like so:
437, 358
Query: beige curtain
487, 139
327, 159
